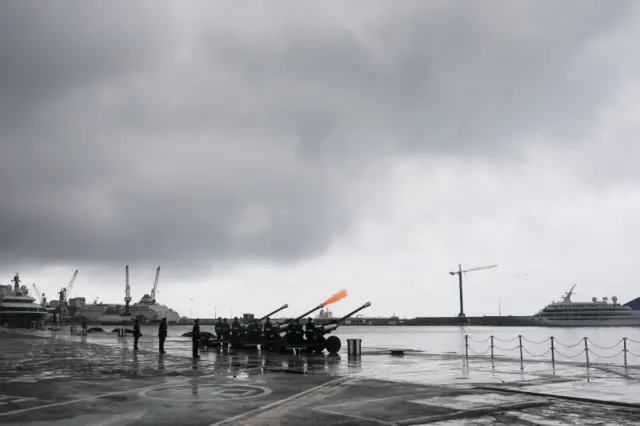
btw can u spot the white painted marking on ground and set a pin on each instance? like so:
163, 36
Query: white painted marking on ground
222, 392
282, 401
9, 399
366, 419
91, 398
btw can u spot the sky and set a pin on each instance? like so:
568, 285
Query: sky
278, 151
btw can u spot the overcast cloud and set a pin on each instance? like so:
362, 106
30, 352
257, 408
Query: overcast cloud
342, 143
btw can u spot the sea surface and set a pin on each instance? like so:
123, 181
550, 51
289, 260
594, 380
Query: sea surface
604, 344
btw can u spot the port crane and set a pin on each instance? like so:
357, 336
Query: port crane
459, 273
127, 292
64, 294
154, 290
41, 297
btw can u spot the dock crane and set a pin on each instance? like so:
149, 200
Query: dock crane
154, 290
459, 273
64, 293
41, 297
127, 292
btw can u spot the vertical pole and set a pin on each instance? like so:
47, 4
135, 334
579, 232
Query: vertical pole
466, 346
491, 347
461, 314
521, 357
553, 352
624, 350
586, 350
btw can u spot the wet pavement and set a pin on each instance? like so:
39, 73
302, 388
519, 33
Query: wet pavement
100, 380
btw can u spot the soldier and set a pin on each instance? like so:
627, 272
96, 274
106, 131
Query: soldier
195, 338
162, 334
298, 331
84, 325
218, 329
236, 328
253, 330
267, 329
310, 330
136, 334
226, 330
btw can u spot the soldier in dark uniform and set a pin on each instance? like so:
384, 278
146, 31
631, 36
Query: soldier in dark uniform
236, 328
226, 330
295, 332
136, 334
218, 329
310, 330
253, 330
298, 331
84, 325
162, 334
195, 338
267, 329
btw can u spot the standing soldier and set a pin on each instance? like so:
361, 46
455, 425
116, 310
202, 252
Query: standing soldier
162, 334
218, 328
236, 329
195, 338
136, 334
226, 330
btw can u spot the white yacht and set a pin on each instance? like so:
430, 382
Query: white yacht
597, 313
153, 312
18, 309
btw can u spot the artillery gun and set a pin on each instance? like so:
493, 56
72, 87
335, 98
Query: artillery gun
240, 341
319, 342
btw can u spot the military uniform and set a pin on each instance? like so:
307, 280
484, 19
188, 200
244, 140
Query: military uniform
162, 334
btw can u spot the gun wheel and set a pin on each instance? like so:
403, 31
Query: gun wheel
333, 344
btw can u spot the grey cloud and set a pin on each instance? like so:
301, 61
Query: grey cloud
136, 133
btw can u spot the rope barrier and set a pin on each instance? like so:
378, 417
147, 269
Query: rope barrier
585, 351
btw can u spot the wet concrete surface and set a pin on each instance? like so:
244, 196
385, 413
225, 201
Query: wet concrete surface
80, 380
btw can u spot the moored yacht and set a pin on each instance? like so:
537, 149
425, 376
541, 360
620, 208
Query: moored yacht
18, 309
597, 313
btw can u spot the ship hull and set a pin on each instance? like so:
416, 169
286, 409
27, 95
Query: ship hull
633, 321
22, 320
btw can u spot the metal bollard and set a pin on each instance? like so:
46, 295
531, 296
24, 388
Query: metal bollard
121, 332
72, 329
354, 347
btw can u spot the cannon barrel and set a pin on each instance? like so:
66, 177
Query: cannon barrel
320, 306
281, 308
328, 328
352, 313
286, 323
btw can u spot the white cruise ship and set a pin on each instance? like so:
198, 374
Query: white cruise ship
597, 313
152, 311
18, 309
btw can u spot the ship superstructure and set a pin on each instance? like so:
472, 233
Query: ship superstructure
149, 310
18, 309
597, 313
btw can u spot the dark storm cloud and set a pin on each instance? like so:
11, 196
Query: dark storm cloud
132, 132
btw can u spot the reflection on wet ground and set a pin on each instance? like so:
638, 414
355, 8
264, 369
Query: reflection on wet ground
85, 380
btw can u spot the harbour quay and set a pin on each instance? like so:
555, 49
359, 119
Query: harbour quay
55, 379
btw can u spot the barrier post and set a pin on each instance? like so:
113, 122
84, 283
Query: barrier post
553, 351
521, 357
586, 350
466, 346
624, 350
491, 347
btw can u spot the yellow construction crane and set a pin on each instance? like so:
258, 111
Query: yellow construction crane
459, 273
